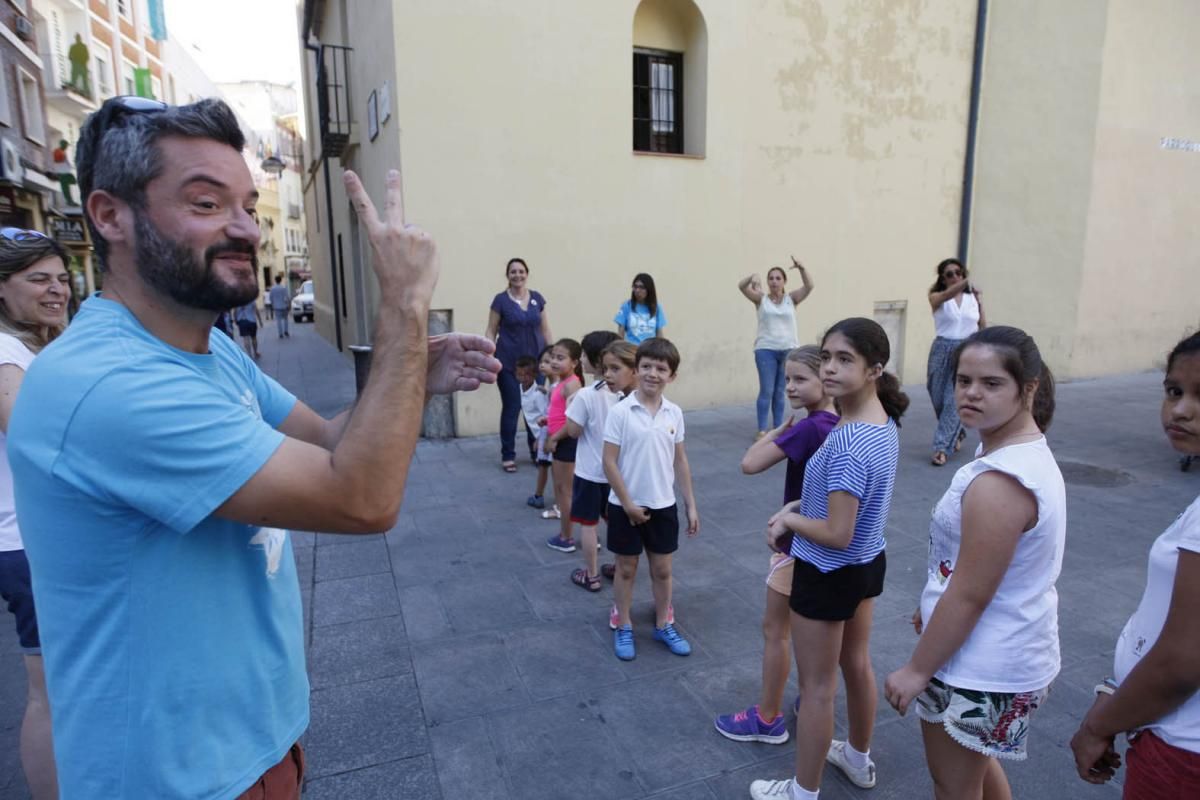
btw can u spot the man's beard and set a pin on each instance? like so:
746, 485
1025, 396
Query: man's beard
173, 269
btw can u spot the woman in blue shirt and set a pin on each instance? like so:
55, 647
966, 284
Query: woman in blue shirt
641, 317
518, 324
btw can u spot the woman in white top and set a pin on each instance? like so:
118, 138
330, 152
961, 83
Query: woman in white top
34, 291
957, 313
776, 336
1156, 690
989, 643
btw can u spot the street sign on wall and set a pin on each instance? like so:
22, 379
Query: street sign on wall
67, 231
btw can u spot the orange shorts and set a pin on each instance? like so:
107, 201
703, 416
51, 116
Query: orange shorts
780, 577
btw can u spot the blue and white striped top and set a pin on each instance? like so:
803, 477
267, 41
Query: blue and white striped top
859, 458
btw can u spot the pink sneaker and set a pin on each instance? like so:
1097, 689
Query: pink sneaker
614, 617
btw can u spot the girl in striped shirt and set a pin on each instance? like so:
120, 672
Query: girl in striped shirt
835, 533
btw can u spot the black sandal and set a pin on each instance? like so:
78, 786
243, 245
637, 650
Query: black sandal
590, 582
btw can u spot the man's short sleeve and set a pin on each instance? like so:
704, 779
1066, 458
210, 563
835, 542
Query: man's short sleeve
614, 426
171, 444
275, 401
847, 473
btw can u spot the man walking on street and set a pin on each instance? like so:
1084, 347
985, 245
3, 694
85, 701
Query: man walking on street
280, 301
157, 469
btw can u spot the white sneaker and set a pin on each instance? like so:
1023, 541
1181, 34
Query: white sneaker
863, 778
771, 790
552, 513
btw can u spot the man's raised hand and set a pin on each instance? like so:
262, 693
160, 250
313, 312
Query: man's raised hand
405, 261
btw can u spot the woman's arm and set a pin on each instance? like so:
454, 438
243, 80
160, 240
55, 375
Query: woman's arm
764, 453
493, 325
751, 288
1169, 673
10, 383
937, 298
982, 318
805, 290
547, 336
996, 511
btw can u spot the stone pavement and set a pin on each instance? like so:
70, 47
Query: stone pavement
453, 658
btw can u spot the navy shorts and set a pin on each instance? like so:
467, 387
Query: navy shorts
660, 535
565, 450
247, 328
589, 501
834, 596
17, 591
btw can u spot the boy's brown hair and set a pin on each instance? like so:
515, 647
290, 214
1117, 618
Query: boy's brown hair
660, 349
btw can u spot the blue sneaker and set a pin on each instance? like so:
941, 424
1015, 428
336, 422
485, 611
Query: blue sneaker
560, 544
747, 726
623, 643
536, 500
671, 638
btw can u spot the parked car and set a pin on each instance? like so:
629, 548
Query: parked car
302, 303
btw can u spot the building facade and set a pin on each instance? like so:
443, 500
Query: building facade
701, 140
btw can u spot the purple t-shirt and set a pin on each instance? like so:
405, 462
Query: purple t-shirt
798, 443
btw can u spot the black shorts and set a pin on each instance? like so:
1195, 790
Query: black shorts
834, 596
565, 450
17, 591
589, 501
660, 535
247, 328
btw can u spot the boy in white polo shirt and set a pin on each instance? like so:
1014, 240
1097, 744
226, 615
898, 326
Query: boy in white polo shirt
643, 451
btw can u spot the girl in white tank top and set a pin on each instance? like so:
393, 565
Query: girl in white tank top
988, 617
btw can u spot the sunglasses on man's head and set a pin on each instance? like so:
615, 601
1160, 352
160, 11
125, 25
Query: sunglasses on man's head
22, 235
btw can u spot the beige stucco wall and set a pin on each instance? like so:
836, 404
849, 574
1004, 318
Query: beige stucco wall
834, 131
1142, 252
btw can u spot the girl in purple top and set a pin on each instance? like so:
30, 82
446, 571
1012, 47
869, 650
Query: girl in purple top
518, 324
795, 441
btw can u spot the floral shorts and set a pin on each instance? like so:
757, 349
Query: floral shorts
993, 723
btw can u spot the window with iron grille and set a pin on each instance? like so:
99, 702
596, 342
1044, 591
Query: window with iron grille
657, 101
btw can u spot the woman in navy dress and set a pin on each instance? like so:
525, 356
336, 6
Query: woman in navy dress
517, 322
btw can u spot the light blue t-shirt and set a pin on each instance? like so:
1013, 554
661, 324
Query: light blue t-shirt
639, 325
173, 641
858, 458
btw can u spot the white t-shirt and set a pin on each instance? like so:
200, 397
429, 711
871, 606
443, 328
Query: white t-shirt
12, 351
647, 442
776, 324
957, 321
1181, 727
534, 402
588, 409
1014, 645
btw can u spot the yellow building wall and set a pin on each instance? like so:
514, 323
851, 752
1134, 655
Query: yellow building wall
1142, 259
833, 131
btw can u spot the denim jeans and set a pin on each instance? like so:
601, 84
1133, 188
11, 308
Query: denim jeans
281, 322
772, 377
939, 381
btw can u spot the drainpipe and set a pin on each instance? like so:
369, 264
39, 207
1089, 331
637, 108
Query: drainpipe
964, 218
333, 281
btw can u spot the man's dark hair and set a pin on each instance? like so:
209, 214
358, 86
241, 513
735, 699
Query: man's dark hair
659, 349
118, 149
594, 343
278, 279
525, 362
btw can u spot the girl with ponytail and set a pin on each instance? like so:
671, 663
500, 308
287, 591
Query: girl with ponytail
988, 616
836, 538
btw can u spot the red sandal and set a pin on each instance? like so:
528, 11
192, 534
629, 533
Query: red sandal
590, 582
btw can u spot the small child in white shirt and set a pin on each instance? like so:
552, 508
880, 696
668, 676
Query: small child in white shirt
535, 399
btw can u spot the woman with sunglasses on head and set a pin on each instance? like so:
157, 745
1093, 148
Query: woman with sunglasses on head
34, 292
957, 313
641, 317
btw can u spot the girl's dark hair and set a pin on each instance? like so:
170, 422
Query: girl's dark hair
594, 343
940, 284
1186, 346
512, 261
1020, 357
781, 270
870, 341
651, 294
574, 350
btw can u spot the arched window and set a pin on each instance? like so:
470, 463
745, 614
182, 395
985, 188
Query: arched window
670, 72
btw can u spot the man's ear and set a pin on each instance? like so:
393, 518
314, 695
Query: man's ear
111, 215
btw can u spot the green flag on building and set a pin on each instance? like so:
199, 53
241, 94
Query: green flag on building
141, 83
